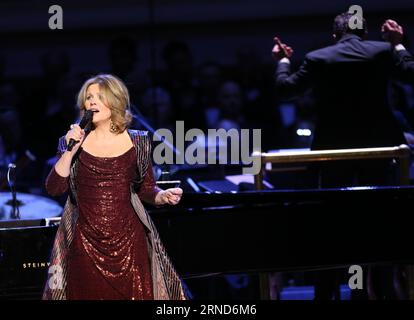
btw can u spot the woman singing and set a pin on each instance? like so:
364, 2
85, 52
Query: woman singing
106, 246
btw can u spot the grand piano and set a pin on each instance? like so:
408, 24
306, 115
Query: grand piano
211, 233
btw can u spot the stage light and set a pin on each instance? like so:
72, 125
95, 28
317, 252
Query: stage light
304, 132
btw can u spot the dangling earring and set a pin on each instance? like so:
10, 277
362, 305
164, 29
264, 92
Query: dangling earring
113, 127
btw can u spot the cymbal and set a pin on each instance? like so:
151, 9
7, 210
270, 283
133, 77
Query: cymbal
30, 206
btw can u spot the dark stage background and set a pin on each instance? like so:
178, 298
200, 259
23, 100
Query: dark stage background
207, 62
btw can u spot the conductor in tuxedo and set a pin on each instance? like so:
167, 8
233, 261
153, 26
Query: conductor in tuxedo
349, 80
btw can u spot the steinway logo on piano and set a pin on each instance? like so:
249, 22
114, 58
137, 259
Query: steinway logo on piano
35, 265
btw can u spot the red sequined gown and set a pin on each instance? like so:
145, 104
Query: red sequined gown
108, 258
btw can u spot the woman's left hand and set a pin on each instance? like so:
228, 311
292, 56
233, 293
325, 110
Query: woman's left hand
170, 196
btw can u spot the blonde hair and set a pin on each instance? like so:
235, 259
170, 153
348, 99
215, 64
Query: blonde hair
116, 98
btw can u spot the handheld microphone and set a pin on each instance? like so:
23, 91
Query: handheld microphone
85, 122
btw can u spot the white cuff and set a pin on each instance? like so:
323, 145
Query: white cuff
284, 60
399, 47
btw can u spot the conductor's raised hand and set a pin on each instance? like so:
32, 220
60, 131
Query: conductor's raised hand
281, 50
392, 32
77, 134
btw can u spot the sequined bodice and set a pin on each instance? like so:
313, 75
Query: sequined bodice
106, 173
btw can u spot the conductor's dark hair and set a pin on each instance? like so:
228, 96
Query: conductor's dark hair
341, 26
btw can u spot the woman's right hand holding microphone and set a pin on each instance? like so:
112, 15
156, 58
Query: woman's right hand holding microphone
62, 166
77, 134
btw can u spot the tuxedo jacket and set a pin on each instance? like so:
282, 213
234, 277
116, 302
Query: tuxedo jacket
350, 86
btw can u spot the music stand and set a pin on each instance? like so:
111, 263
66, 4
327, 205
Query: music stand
13, 202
